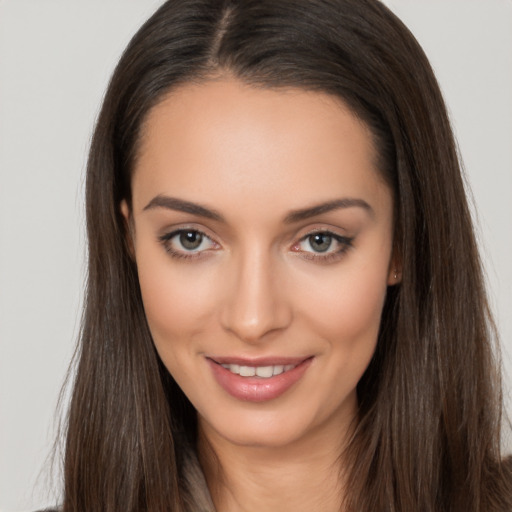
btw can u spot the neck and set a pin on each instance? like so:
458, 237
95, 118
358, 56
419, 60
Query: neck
302, 476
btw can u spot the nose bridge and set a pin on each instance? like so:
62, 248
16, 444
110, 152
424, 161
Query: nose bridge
256, 304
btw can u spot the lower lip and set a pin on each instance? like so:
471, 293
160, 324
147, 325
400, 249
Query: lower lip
257, 389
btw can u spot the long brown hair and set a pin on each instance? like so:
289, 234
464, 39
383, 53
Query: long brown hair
428, 437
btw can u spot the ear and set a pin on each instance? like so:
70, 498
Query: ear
129, 227
395, 270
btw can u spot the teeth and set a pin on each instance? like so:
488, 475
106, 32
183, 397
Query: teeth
265, 372
278, 368
247, 371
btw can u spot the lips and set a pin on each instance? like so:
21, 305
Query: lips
258, 380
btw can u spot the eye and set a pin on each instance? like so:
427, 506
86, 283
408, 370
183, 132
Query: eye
190, 240
319, 242
187, 243
323, 246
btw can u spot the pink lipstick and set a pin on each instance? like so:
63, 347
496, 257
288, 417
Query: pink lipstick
258, 380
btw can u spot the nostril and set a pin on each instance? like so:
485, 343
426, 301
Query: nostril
255, 304
254, 324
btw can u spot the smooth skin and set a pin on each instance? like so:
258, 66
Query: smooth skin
233, 262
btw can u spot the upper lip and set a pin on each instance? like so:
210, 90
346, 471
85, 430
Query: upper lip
259, 361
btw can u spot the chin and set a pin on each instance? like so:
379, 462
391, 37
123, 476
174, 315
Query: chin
255, 433
278, 426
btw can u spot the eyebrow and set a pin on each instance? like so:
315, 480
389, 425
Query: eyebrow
173, 203
336, 204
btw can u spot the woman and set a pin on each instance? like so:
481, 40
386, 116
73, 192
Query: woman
278, 243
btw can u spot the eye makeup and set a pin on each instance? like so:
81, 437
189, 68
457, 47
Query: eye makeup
320, 245
323, 246
187, 243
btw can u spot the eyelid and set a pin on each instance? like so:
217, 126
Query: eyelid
334, 231
167, 236
344, 242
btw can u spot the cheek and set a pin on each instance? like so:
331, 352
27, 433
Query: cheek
346, 310
178, 301
359, 304
345, 316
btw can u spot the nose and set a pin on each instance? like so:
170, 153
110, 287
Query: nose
256, 304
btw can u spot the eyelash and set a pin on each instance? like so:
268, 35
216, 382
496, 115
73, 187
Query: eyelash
165, 240
344, 242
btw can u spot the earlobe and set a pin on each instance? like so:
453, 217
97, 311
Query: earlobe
128, 225
395, 276
395, 271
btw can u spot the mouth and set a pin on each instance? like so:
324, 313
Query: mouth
258, 380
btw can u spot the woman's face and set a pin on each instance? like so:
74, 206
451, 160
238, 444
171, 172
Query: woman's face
262, 233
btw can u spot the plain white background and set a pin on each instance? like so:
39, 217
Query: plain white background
55, 60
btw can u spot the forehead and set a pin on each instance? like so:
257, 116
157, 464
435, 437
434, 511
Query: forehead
266, 144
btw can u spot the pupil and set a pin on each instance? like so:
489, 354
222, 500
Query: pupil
320, 242
191, 239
